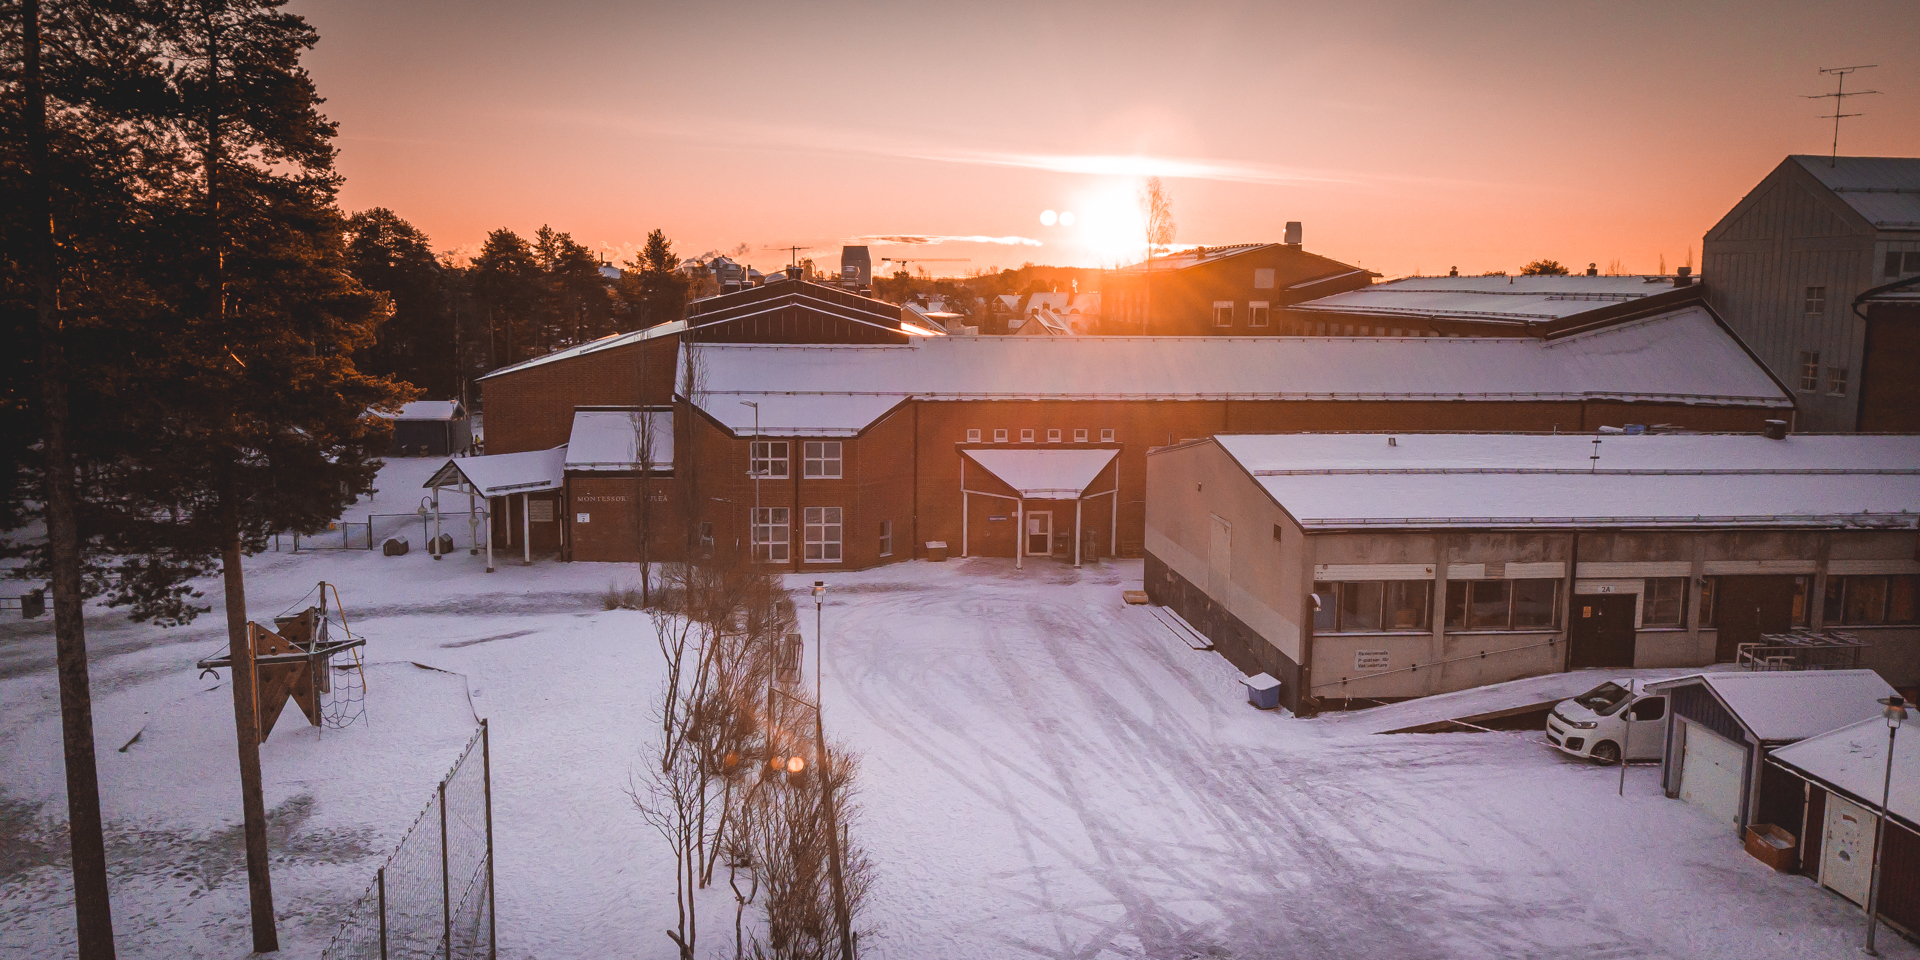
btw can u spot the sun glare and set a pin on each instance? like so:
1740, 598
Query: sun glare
1108, 228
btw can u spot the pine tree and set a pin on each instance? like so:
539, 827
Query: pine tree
652, 290
506, 282
418, 342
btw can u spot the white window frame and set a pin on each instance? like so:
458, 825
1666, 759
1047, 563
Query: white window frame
1809, 371
1026, 434
1079, 434
1837, 381
1106, 434
773, 534
1258, 313
821, 456
1053, 435
999, 434
886, 538
821, 533
760, 457
973, 436
1223, 313
1816, 301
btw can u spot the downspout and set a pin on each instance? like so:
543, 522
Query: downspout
1573, 577
915, 448
1866, 339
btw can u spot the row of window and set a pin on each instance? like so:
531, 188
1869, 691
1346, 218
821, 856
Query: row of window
1053, 435
1810, 375
1368, 606
821, 534
1258, 313
820, 459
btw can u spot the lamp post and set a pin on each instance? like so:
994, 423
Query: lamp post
754, 447
826, 785
1895, 714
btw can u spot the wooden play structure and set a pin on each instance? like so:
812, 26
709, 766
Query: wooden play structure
294, 660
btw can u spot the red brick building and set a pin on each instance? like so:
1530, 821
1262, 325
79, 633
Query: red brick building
1234, 291
852, 455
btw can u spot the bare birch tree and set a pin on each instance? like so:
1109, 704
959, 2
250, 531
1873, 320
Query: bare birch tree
1156, 211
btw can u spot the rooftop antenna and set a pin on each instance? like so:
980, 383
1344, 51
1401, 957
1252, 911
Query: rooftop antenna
1840, 96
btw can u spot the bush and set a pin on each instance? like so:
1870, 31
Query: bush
620, 598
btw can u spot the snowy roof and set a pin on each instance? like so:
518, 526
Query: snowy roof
1044, 474
1682, 357
609, 439
1854, 759
1517, 299
1689, 452
1469, 480
1782, 705
500, 474
789, 415
1194, 256
609, 342
429, 410
1884, 190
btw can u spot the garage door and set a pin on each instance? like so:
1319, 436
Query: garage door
1710, 774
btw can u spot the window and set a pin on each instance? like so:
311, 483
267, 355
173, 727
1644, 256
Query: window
1257, 313
772, 534
1711, 586
769, 459
1816, 299
1026, 436
1000, 435
886, 538
823, 460
1106, 435
1867, 600
1369, 606
1263, 278
1648, 708
973, 436
1503, 604
1895, 260
1053, 436
1080, 435
822, 535
706, 537
1663, 602
1223, 313
1836, 381
1809, 370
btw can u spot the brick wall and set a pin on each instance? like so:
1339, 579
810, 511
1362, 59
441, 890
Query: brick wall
532, 409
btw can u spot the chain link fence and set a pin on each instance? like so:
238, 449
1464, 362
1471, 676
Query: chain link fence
370, 533
434, 896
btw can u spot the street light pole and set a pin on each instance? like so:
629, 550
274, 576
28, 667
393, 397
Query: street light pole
1895, 714
840, 916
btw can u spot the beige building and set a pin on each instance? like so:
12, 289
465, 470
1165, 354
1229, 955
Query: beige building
1362, 567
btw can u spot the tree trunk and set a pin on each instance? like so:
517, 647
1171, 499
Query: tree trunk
246, 724
92, 912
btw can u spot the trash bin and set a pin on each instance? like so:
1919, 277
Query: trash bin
937, 551
1263, 691
394, 547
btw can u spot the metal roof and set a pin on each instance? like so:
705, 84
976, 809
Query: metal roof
1044, 474
1854, 759
1883, 190
611, 341
1785, 705
1523, 299
1680, 357
500, 474
610, 439
429, 410
1359, 481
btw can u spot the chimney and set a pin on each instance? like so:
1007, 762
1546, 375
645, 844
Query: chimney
1453, 271
1293, 233
1683, 277
1776, 429
1593, 269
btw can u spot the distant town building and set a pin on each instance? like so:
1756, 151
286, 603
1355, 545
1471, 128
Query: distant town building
1233, 291
1789, 265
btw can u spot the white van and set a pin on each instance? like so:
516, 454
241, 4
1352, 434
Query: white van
1614, 717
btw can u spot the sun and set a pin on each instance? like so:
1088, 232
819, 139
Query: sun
1107, 227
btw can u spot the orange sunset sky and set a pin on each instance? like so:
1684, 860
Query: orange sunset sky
1406, 136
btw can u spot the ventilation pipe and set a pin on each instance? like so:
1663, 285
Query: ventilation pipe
1293, 233
1775, 429
1593, 269
1683, 277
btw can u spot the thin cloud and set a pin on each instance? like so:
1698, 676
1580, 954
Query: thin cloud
1130, 165
915, 239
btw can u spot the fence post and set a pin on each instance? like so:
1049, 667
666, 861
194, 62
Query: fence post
486, 772
380, 879
446, 886
369, 531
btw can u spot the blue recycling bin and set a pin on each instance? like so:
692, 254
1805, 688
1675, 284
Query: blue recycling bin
1263, 691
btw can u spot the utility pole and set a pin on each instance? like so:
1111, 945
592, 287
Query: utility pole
840, 915
1839, 97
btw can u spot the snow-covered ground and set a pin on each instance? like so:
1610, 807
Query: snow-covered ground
1047, 772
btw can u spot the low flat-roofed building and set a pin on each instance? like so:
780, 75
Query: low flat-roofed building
1488, 306
1366, 567
1846, 773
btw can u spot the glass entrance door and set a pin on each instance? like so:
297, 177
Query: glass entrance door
1039, 533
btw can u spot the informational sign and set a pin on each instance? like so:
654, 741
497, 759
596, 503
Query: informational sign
582, 517
1369, 661
1000, 518
540, 511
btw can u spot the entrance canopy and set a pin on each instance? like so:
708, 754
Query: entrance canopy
1044, 474
501, 474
